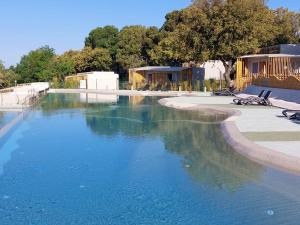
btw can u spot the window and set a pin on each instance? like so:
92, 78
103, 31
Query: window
255, 67
170, 77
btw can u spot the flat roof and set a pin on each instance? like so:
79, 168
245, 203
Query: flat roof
92, 73
161, 68
269, 56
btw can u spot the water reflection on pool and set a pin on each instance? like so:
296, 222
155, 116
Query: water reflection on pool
130, 161
6, 117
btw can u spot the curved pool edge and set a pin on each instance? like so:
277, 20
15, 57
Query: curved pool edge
239, 142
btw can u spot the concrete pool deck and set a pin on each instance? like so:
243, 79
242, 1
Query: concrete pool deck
18, 98
257, 132
130, 92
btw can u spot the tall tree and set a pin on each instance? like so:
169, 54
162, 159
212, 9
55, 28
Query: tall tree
61, 67
10, 77
2, 75
36, 65
103, 37
7, 76
237, 28
286, 26
216, 29
134, 46
183, 38
89, 59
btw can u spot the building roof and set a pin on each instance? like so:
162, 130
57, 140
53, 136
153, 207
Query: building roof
161, 68
95, 73
269, 56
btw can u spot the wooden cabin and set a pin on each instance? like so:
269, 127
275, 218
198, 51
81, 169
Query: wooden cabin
270, 70
160, 75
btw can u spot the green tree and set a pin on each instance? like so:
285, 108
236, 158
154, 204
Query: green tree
134, 46
2, 75
183, 38
89, 59
237, 28
36, 66
103, 37
61, 67
219, 30
7, 76
10, 77
286, 26
172, 20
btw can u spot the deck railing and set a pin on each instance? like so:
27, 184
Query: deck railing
264, 75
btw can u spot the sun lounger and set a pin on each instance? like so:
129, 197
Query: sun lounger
291, 114
239, 100
226, 92
260, 101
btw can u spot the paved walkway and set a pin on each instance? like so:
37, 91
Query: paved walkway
262, 125
284, 98
131, 92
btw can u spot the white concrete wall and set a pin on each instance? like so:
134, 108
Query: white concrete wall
21, 94
102, 81
214, 69
82, 84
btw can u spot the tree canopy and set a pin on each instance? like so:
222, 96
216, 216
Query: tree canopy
7, 76
134, 46
89, 59
222, 30
36, 65
2, 74
103, 37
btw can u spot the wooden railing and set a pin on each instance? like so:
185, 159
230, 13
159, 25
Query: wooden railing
291, 81
278, 76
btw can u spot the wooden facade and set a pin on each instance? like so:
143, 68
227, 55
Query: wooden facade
139, 77
272, 70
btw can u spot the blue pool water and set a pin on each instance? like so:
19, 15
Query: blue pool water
6, 117
75, 161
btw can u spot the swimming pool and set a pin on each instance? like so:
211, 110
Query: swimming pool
128, 160
6, 117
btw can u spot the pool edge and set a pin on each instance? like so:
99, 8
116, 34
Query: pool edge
239, 142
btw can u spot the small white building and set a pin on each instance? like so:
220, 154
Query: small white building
96, 80
102, 81
213, 69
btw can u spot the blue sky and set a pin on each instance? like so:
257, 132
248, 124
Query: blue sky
64, 24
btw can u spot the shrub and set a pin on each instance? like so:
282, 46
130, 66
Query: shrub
55, 83
71, 84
